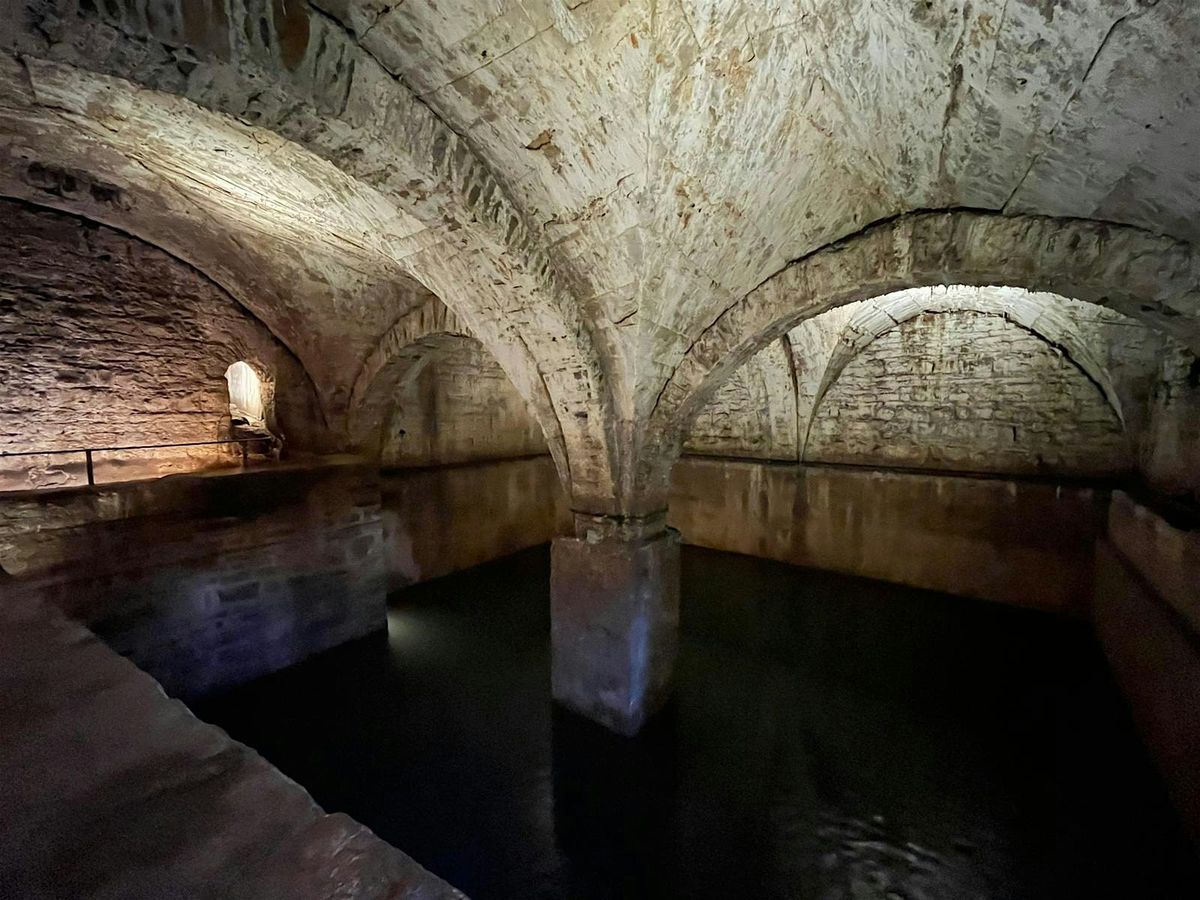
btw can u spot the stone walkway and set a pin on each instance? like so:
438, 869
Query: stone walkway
110, 789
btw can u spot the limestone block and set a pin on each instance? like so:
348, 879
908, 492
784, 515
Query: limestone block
1154, 657
614, 630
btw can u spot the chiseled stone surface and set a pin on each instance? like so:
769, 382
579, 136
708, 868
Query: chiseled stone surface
968, 392
108, 341
209, 581
614, 626
112, 790
933, 377
1139, 274
622, 200
458, 406
754, 413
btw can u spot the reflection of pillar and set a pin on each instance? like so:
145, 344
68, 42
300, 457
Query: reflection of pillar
614, 594
613, 802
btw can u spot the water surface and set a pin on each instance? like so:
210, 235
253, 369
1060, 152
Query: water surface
831, 738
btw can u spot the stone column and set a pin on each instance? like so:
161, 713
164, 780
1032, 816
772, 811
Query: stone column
614, 632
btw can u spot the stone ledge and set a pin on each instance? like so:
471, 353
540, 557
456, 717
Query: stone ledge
113, 790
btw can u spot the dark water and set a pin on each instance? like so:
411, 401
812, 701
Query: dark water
831, 738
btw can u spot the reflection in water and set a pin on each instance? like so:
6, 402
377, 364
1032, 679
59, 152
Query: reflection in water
831, 738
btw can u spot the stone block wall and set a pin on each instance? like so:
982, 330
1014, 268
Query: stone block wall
440, 520
459, 407
107, 341
112, 789
1011, 541
954, 378
207, 581
1147, 616
968, 392
754, 413
1171, 455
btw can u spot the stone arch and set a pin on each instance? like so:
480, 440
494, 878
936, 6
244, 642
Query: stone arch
296, 71
159, 335
410, 344
1034, 313
969, 392
59, 159
1146, 276
758, 404
402, 367
466, 412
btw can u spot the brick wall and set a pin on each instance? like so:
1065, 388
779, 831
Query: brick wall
207, 581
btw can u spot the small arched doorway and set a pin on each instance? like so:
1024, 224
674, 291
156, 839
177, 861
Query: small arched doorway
251, 398
246, 397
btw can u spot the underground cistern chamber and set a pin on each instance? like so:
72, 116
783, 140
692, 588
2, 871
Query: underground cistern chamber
599, 450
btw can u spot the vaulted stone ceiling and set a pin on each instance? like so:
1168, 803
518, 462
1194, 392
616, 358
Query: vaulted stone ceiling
605, 192
675, 155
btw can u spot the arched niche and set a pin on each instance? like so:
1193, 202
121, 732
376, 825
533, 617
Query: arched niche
431, 394
967, 391
106, 342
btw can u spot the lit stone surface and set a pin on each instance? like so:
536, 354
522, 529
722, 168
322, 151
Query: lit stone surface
614, 631
623, 203
107, 341
754, 412
122, 793
969, 392
459, 406
869, 385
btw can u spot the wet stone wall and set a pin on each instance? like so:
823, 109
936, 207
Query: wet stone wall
208, 581
448, 518
1028, 543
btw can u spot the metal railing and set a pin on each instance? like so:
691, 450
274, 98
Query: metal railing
88, 451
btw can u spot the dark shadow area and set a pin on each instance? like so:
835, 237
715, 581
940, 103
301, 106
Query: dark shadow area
831, 738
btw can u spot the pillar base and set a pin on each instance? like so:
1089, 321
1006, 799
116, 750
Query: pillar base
614, 626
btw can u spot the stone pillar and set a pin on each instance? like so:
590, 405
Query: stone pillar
614, 632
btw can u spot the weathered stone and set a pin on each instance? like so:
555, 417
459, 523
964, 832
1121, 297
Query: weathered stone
624, 202
122, 793
1153, 653
206, 582
961, 535
111, 342
442, 519
968, 392
621, 202
614, 630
